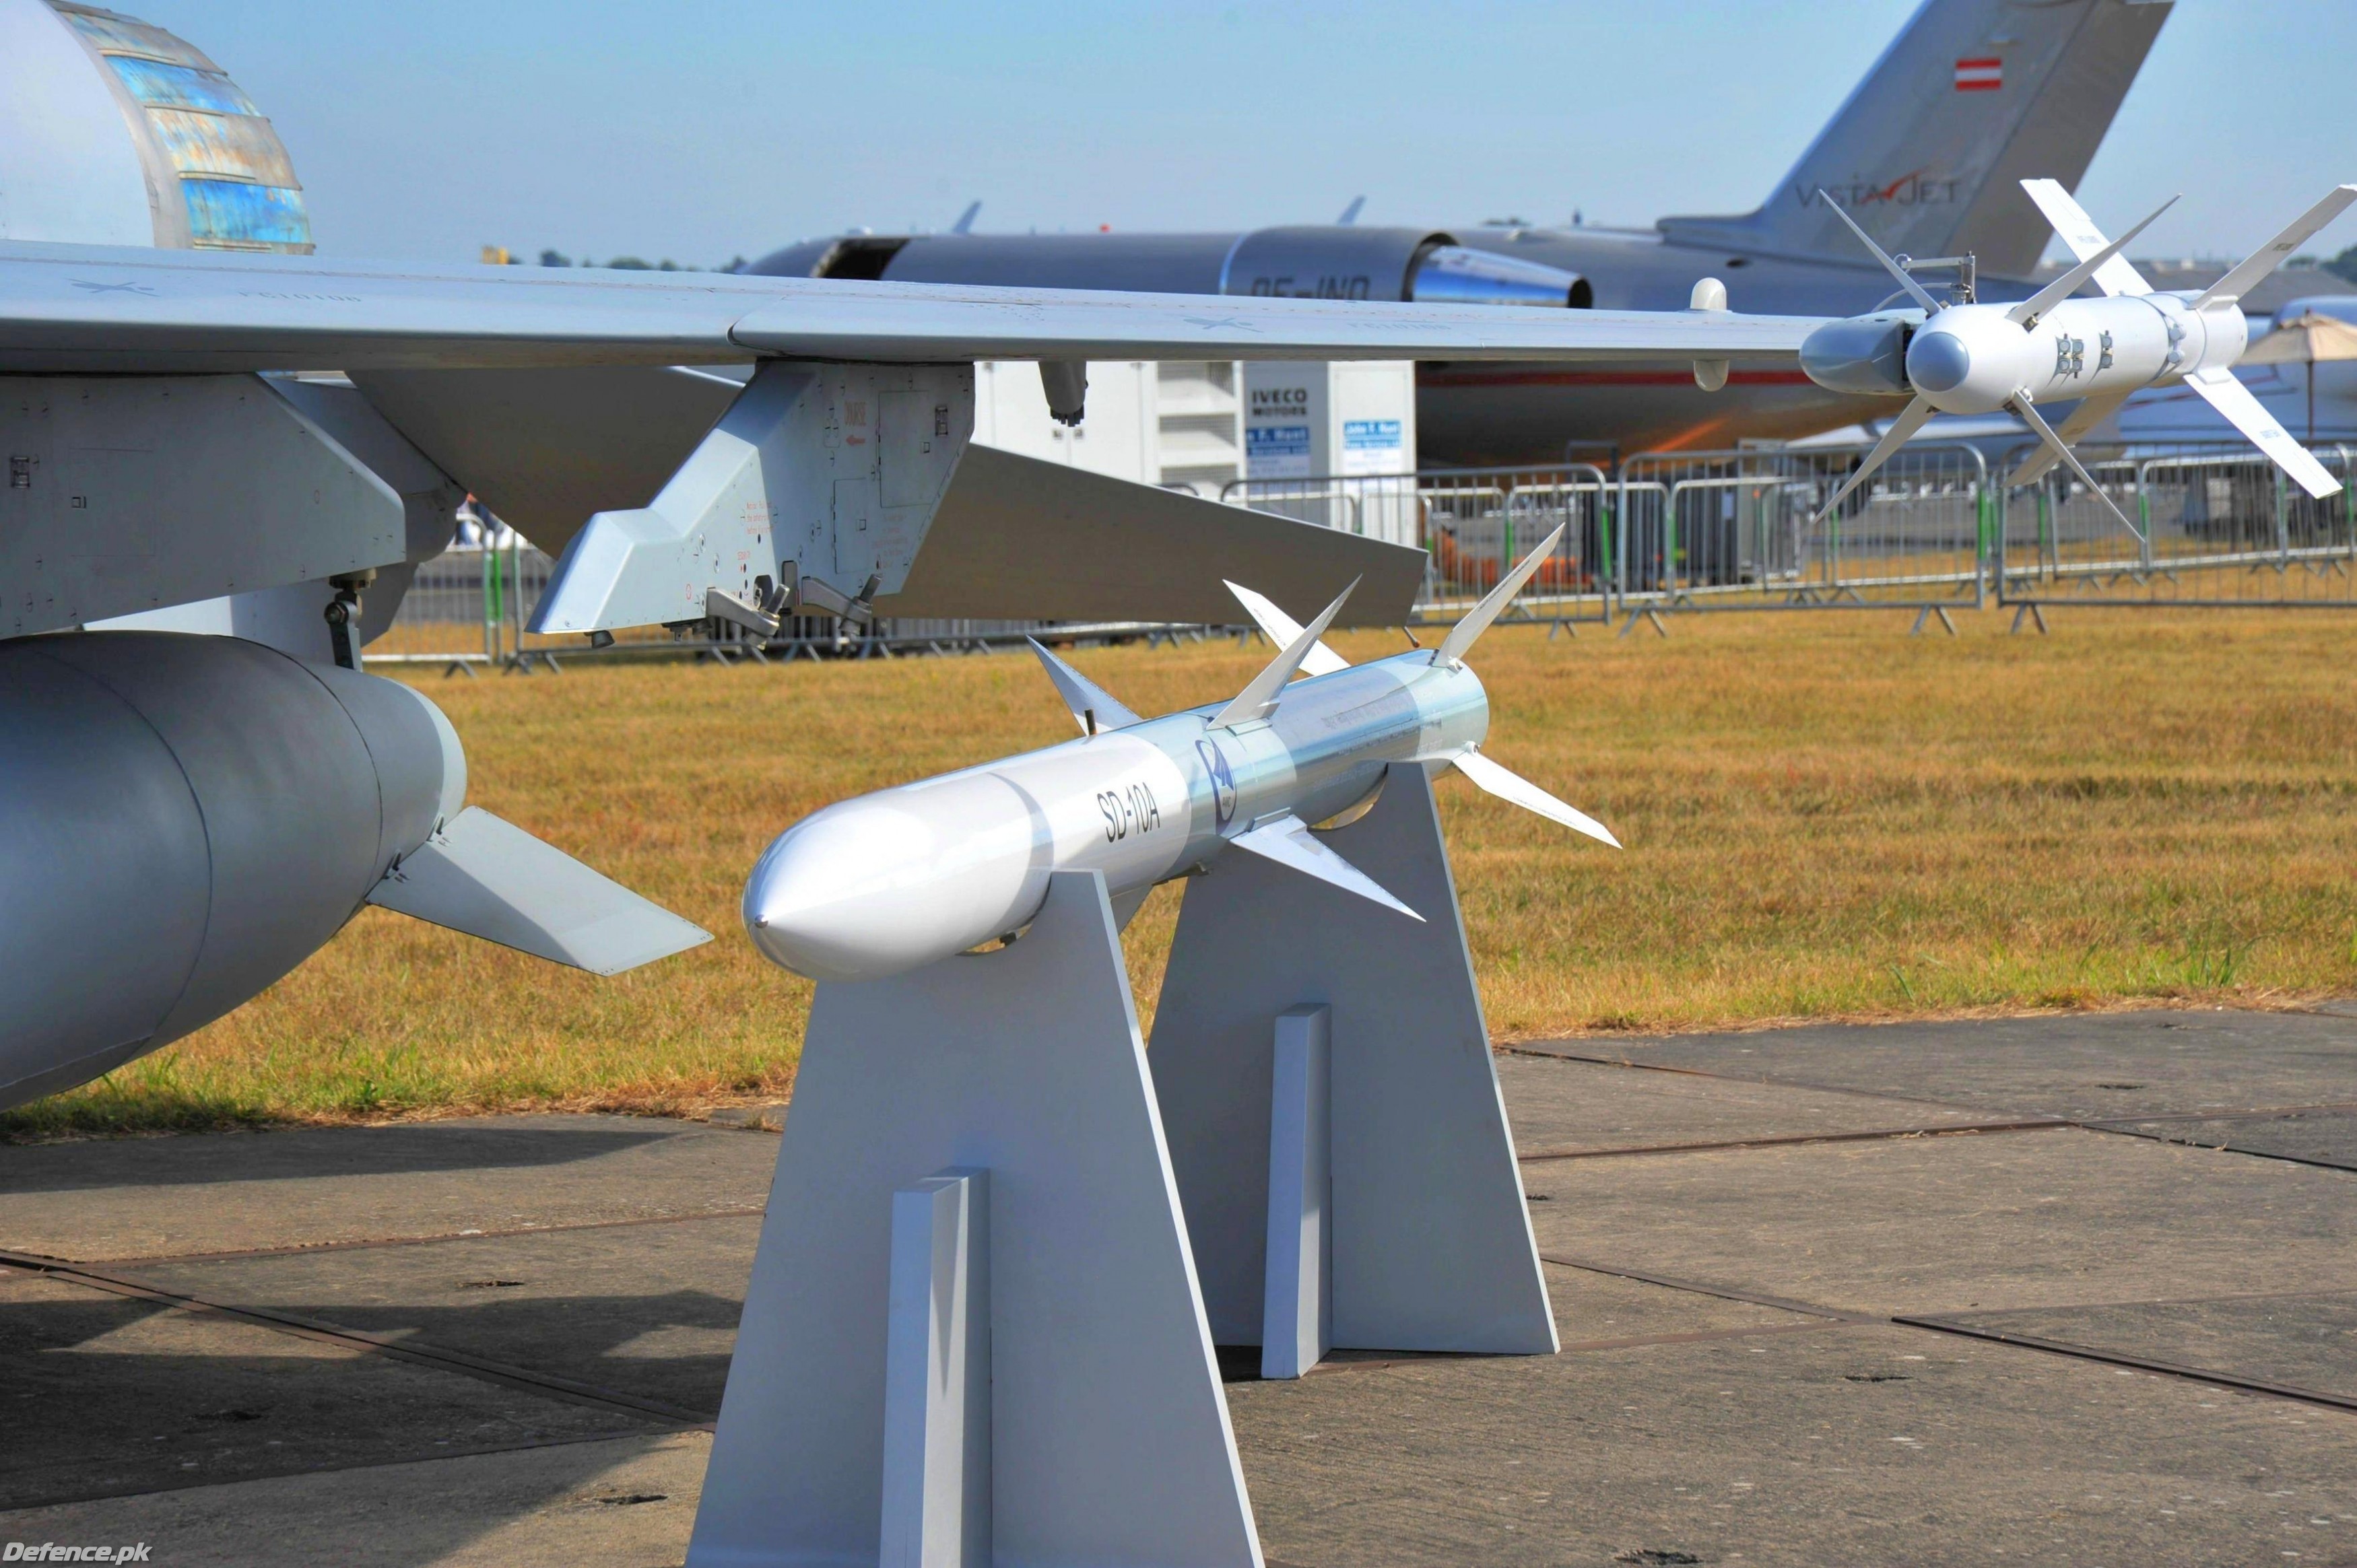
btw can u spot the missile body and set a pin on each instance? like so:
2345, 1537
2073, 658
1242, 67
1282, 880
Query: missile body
887, 882
1970, 359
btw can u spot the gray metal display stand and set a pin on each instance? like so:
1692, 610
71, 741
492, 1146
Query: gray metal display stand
1106, 1436
1429, 1240
974, 1331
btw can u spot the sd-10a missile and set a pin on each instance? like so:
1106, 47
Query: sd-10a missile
1960, 356
885, 883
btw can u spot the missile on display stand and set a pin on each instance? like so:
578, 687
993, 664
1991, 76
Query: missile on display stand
885, 883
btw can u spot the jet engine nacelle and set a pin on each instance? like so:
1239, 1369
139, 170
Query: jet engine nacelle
1336, 262
183, 820
1327, 261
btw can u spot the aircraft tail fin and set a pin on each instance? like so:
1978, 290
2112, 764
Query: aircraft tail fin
1930, 149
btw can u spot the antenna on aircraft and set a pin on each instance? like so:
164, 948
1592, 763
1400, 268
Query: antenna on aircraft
1350, 213
965, 225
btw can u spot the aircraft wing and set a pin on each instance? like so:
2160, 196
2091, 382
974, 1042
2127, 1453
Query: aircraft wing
808, 488
67, 309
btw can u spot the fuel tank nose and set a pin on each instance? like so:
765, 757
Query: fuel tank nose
1939, 361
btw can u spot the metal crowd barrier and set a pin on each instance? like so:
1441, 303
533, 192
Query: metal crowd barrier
467, 608
1473, 522
1738, 529
1933, 529
2209, 524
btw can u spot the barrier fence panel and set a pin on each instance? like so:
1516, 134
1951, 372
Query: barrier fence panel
1472, 522
1738, 529
2209, 524
1670, 530
468, 606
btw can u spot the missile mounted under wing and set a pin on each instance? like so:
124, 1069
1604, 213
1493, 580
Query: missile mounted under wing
1958, 356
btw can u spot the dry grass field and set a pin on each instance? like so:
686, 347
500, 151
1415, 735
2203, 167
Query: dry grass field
1826, 819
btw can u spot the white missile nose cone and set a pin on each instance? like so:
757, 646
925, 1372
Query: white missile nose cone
1938, 361
884, 883
786, 900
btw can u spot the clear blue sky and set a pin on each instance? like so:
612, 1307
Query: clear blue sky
724, 127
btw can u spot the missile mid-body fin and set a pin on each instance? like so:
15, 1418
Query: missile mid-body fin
1258, 699
1912, 418
484, 875
2028, 413
1287, 841
1281, 629
2116, 274
2027, 313
1094, 707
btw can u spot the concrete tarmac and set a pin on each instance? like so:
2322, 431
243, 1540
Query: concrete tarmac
2068, 1290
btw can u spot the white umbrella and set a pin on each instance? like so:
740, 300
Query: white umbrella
2304, 340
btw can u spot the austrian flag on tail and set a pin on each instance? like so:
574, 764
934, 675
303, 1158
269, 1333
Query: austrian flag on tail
1980, 75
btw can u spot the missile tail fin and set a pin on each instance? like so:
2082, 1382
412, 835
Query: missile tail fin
2247, 272
1466, 632
1281, 629
484, 875
1508, 785
2222, 391
1258, 699
1094, 707
1288, 841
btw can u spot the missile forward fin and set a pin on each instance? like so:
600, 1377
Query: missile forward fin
1902, 429
1281, 629
1463, 635
2091, 412
1906, 279
484, 875
2027, 313
2028, 415
1288, 841
1258, 700
1094, 707
1508, 785
2221, 391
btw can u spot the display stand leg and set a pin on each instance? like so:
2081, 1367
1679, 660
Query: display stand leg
1108, 1439
1297, 1305
1431, 1245
937, 1376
